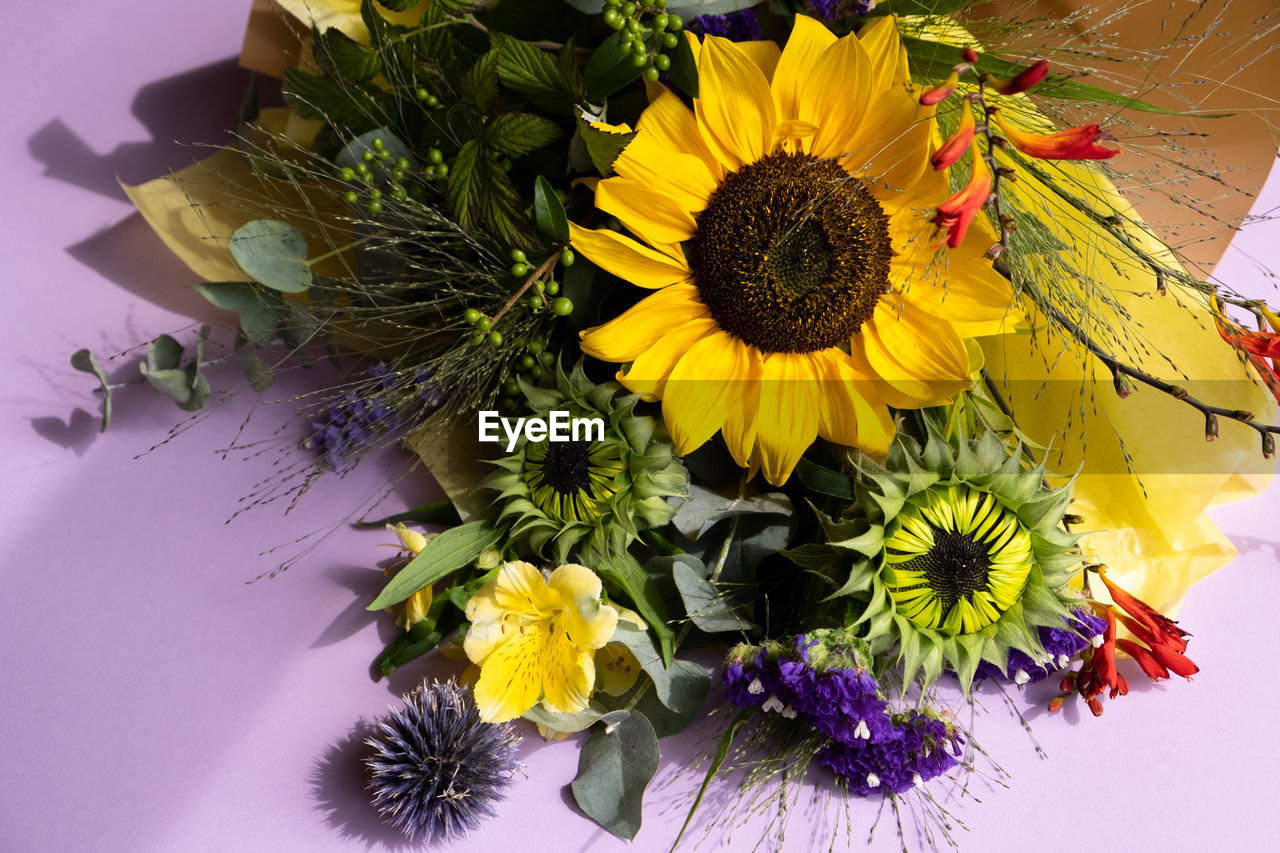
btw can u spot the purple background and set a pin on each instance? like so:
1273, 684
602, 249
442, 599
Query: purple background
154, 701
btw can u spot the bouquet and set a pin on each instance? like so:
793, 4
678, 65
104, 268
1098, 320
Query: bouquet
818, 342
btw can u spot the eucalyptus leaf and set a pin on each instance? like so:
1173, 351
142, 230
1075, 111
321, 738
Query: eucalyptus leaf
83, 361
614, 768
256, 371
273, 253
682, 687
446, 553
352, 154
548, 212
229, 295
706, 506
566, 723
705, 604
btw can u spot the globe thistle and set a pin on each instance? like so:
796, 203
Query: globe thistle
959, 556
437, 769
597, 493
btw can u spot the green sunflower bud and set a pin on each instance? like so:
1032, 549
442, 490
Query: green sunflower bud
958, 554
598, 494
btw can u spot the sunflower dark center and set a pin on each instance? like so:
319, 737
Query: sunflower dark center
567, 466
955, 567
791, 253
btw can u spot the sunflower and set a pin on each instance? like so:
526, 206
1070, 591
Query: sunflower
785, 231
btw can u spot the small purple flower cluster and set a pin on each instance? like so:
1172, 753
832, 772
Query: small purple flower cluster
354, 421
830, 10
1060, 645
742, 25
870, 747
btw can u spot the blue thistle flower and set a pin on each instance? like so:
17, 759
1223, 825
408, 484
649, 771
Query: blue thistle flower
437, 768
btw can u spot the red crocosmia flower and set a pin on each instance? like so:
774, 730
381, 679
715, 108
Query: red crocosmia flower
1074, 143
1152, 667
1020, 82
1168, 650
1256, 346
1099, 671
1159, 628
938, 94
957, 212
955, 147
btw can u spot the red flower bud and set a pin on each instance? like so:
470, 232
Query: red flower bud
955, 147
940, 93
1020, 82
1152, 667
1055, 704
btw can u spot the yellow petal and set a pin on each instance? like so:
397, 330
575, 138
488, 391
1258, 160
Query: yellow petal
521, 589
648, 372
488, 630
787, 421
739, 428
674, 128
569, 674
851, 411
511, 679
764, 54
645, 212
834, 96
685, 179
888, 58
590, 624
734, 106
626, 258
892, 145
807, 42
914, 352
629, 334
704, 387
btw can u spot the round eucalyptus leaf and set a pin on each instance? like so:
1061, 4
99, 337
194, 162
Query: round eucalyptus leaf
273, 253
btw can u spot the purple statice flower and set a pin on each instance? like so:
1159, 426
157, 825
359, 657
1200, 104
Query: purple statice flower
437, 769
830, 10
921, 747
742, 25
1060, 645
354, 421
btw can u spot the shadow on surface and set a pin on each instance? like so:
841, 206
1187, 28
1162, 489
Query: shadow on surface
75, 434
337, 786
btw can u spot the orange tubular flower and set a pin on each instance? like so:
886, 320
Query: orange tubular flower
1099, 671
1154, 625
1256, 346
1020, 82
958, 211
940, 93
955, 147
1074, 143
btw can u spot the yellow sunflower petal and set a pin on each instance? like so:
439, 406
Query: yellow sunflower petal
704, 388
685, 179
916, 353
807, 42
891, 146
888, 58
511, 678
834, 96
649, 371
764, 54
648, 214
851, 412
787, 421
739, 428
967, 293
674, 127
626, 258
734, 106
590, 624
629, 334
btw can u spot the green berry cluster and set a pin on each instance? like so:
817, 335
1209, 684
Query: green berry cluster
376, 164
428, 99
645, 43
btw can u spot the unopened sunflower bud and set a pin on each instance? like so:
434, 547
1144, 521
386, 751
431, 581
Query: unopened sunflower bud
1210, 426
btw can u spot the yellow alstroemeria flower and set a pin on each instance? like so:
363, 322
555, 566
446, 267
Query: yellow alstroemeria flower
617, 668
784, 227
535, 638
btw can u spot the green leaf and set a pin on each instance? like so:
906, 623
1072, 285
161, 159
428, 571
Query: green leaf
614, 768
256, 371
352, 154
446, 553
722, 751
570, 723
186, 386
457, 7
933, 61
439, 512
684, 70
460, 594
480, 83
705, 507
533, 73
340, 56
352, 106
414, 643
405, 5
83, 361
465, 184
917, 7
705, 604
260, 321
643, 591
609, 69
824, 480
682, 687
603, 147
273, 253
548, 212
229, 295
515, 134
501, 207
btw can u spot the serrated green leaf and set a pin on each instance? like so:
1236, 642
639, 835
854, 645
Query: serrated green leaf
501, 207
465, 181
405, 5
609, 69
548, 212
273, 253
516, 134
603, 146
532, 72
342, 57
446, 553
351, 106
83, 361
480, 83
614, 768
